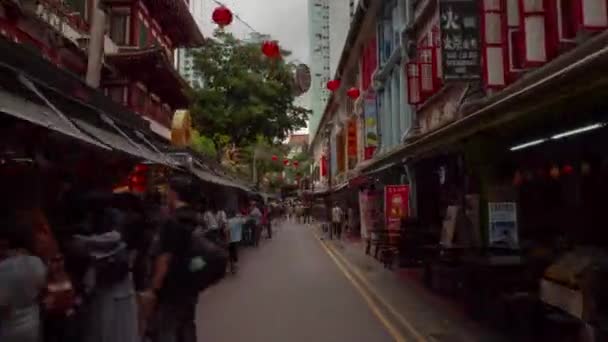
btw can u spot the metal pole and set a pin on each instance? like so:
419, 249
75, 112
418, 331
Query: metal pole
96, 42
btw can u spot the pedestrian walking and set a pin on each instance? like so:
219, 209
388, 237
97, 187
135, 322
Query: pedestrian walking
172, 288
235, 234
22, 279
222, 222
336, 219
256, 216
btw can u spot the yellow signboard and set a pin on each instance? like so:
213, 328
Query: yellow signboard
181, 129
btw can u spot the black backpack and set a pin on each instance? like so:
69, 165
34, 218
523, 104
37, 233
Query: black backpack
211, 259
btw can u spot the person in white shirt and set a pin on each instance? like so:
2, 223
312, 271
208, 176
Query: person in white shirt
256, 215
336, 222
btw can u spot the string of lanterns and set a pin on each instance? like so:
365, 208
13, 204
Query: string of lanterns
353, 93
223, 16
554, 173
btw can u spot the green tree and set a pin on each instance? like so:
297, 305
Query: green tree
246, 95
203, 145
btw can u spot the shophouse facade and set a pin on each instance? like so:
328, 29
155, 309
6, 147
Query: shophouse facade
139, 47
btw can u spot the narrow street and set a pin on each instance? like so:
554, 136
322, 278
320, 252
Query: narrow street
288, 289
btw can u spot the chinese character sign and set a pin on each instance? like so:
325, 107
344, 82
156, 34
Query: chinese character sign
352, 138
460, 39
396, 205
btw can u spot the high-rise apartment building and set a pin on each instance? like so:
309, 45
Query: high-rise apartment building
318, 16
183, 58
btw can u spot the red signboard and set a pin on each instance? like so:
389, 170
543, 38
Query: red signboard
324, 166
396, 205
352, 138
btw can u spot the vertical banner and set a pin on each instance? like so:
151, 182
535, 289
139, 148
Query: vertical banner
352, 138
503, 224
371, 126
460, 37
396, 205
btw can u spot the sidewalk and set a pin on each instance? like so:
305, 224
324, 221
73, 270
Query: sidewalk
423, 314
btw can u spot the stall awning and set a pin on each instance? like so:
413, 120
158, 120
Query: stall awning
209, 176
23, 97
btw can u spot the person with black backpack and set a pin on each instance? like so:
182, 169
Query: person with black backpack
188, 263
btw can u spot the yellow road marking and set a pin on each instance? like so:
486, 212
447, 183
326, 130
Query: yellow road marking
395, 334
407, 324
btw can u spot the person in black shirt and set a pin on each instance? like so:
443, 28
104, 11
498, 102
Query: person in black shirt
176, 302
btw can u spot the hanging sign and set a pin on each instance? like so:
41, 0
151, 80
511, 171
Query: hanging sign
371, 126
396, 205
352, 138
460, 39
503, 224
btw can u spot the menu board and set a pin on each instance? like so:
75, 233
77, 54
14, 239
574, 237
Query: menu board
460, 46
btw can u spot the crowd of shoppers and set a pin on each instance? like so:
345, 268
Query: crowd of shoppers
118, 267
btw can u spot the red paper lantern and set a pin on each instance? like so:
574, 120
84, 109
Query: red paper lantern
270, 49
296, 163
333, 85
275, 158
222, 16
286, 162
567, 169
353, 93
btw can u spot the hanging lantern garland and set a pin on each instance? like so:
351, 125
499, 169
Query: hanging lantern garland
222, 16
270, 49
353, 93
333, 85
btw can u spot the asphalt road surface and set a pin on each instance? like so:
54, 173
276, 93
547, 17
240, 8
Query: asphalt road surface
287, 290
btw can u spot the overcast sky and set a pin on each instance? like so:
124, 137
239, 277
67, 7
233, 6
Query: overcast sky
285, 20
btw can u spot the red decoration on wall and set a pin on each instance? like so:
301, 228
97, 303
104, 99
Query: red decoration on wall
567, 170
270, 49
353, 93
138, 179
333, 85
222, 16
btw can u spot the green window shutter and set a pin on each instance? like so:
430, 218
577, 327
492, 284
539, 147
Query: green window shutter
143, 35
77, 5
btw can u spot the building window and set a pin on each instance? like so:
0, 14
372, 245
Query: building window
144, 32
119, 27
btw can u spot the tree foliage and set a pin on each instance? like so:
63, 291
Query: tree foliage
246, 95
203, 145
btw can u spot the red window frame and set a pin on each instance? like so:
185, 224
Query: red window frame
488, 44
